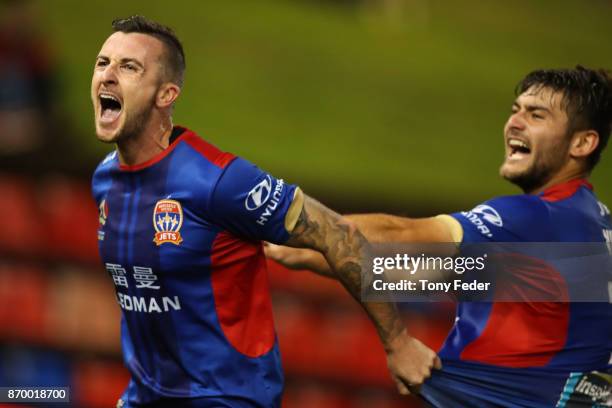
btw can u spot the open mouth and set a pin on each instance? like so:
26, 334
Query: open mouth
518, 149
110, 108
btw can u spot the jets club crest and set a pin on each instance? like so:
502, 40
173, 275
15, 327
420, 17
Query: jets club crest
167, 221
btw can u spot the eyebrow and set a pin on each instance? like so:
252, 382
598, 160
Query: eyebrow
122, 60
532, 107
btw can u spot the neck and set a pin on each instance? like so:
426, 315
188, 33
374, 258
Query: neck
561, 177
142, 147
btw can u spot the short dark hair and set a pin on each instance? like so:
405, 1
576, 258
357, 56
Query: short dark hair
587, 100
175, 56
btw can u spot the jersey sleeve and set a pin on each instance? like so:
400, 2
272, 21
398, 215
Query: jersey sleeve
101, 180
252, 203
505, 219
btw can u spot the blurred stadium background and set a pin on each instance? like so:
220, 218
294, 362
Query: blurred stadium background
369, 105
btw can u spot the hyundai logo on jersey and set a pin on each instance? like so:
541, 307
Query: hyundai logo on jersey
259, 194
489, 214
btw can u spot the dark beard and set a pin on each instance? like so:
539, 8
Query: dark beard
135, 125
539, 173
531, 180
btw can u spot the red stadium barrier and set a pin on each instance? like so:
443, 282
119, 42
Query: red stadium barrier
23, 301
20, 225
70, 220
98, 384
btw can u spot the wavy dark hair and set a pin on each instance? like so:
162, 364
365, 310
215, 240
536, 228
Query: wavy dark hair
587, 100
175, 56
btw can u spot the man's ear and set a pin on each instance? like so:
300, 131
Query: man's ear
167, 94
583, 143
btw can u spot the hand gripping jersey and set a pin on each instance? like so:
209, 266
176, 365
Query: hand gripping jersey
530, 354
180, 236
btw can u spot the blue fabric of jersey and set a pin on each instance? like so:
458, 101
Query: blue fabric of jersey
158, 254
588, 347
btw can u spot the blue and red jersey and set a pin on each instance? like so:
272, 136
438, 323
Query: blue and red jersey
181, 236
532, 354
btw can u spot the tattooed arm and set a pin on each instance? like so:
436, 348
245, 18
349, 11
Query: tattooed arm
377, 228
345, 250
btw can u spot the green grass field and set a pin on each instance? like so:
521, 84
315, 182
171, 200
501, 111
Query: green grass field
401, 112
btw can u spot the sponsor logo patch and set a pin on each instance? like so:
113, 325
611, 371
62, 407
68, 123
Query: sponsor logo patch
259, 194
489, 214
603, 210
481, 214
272, 204
592, 389
167, 221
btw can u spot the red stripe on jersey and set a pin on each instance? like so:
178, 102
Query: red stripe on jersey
530, 331
241, 292
565, 190
212, 153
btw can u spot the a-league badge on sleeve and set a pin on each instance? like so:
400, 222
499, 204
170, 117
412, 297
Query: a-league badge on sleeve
102, 213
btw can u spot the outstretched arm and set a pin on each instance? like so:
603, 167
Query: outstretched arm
377, 228
345, 248
386, 228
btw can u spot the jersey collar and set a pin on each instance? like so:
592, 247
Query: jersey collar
177, 133
565, 190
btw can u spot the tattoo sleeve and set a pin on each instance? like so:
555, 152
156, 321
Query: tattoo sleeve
346, 251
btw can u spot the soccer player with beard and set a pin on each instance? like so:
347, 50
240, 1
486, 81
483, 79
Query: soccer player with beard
530, 354
181, 230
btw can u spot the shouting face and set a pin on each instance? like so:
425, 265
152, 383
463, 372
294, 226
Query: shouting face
126, 78
536, 138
